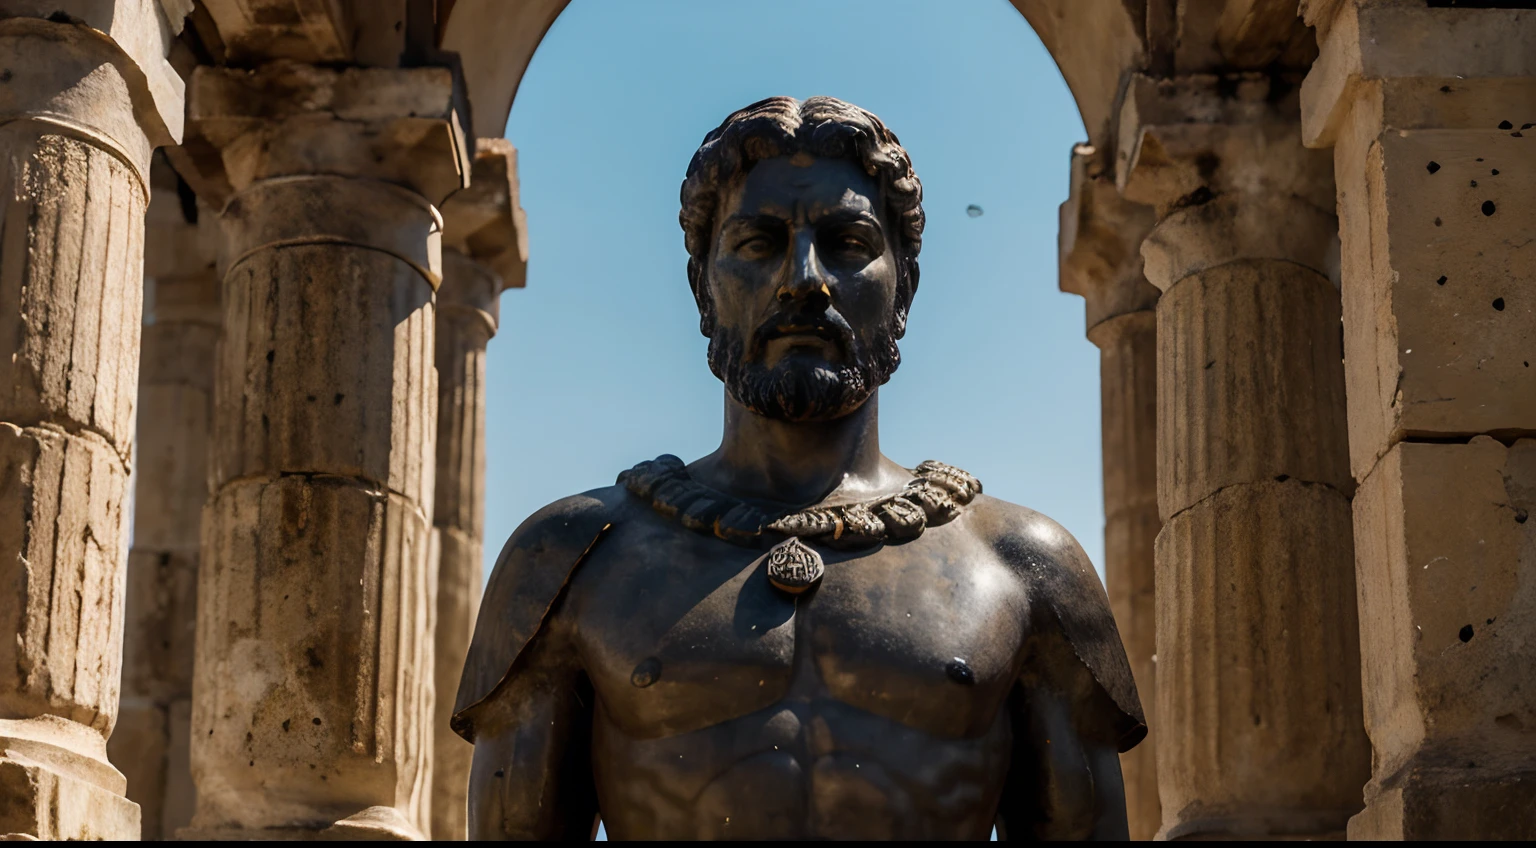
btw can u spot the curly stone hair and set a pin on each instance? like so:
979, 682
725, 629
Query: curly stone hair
783, 126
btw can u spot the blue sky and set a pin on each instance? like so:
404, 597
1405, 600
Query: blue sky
599, 363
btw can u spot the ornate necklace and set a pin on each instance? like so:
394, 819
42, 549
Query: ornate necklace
936, 495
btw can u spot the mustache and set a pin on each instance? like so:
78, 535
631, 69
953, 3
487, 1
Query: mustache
829, 324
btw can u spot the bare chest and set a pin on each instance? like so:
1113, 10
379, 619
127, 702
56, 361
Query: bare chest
679, 632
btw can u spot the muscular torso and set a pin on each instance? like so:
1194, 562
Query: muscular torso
921, 690
874, 705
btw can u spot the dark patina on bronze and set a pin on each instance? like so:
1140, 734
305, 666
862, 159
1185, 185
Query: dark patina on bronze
956, 665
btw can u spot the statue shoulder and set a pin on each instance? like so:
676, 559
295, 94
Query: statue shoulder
1040, 550
1068, 601
530, 575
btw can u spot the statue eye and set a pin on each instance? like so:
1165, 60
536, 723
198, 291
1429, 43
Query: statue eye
755, 246
851, 244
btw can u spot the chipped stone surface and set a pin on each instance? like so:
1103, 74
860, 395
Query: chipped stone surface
1426, 111
1440, 337
314, 657
1447, 579
47, 804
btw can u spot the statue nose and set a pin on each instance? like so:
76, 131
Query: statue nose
807, 279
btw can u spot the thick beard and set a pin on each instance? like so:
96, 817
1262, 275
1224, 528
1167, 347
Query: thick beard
791, 392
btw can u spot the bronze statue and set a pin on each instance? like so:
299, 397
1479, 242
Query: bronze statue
795, 637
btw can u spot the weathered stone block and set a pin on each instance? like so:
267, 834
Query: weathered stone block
1252, 669
1473, 804
1253, 349
1440, 310
39, 803
1447, 582
314, 671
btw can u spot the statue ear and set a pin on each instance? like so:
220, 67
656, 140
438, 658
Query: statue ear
906, 290
701, 296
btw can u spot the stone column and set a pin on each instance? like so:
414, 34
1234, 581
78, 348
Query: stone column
1431, 114
485, 252
313, 679
1258, 665
84, 98
181, 329
1101, 236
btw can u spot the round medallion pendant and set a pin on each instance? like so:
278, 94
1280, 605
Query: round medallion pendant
793, 567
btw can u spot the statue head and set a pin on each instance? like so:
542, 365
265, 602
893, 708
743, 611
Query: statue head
803, 222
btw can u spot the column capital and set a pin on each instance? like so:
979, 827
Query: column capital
107, 78
1220, 159
1186, 140
285, 119
1424, 53
485, 221
1099, 246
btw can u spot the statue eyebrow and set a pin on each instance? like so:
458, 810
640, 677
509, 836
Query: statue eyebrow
754, 219
843, 215
763, 220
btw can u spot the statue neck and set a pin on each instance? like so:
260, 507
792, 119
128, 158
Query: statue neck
800, 463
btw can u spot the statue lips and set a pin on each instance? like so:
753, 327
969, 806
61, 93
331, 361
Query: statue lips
830, 332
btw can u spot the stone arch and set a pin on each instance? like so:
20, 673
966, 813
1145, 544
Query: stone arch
1094, 45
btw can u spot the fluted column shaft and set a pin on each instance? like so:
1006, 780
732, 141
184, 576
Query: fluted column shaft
74, 160
181, 332
1258, 669
1128, 411
1430, 113
313, 686
466, 320
1100, 259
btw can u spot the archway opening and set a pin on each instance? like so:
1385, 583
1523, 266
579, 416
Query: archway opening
599, 362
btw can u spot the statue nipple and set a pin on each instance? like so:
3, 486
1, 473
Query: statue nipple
793, 566
646, 673
960, 671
